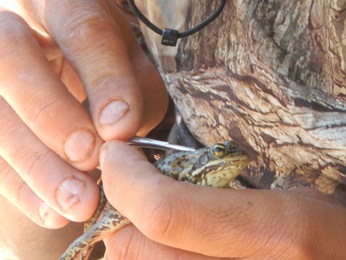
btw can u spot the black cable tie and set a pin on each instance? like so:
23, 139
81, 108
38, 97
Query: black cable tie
171, 36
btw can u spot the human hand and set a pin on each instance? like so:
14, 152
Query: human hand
54, 54
174, 218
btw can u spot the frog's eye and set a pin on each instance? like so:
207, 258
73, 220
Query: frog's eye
218, 150
230, 145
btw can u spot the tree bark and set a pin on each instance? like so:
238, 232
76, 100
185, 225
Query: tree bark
269, 75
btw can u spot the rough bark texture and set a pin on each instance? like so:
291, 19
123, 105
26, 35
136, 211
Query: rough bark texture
269, 75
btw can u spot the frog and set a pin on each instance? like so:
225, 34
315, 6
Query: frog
215, 166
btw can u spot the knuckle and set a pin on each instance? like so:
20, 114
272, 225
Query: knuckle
13, 187
41, 109
291, 243
13, 33
126, 245
7, 122
160, 218
21, 192
33, 162
6, 178
85, 26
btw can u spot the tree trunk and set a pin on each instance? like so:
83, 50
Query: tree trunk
269, 75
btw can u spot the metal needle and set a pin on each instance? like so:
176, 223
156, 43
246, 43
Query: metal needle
151, 143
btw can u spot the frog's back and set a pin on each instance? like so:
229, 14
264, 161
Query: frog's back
181, 164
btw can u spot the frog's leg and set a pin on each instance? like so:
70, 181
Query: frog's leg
109, 221
100, 207
105, 220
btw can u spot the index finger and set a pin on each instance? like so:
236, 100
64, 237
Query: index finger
101, 47
34, 91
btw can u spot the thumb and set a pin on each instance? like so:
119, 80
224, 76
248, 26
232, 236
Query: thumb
208, 221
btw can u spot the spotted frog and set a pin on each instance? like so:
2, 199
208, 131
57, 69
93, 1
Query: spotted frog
216, 166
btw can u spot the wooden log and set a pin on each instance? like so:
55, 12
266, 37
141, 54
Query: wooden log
269, 75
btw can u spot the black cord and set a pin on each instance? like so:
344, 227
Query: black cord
170, 36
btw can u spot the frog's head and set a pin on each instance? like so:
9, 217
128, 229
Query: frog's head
225, 162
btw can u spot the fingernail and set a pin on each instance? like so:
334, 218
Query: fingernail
44, 210
79, 145
103, 152
69, 193
48, 215
113, 112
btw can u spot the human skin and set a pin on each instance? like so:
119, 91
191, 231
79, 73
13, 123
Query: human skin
54, 54
240, 223
177, 220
